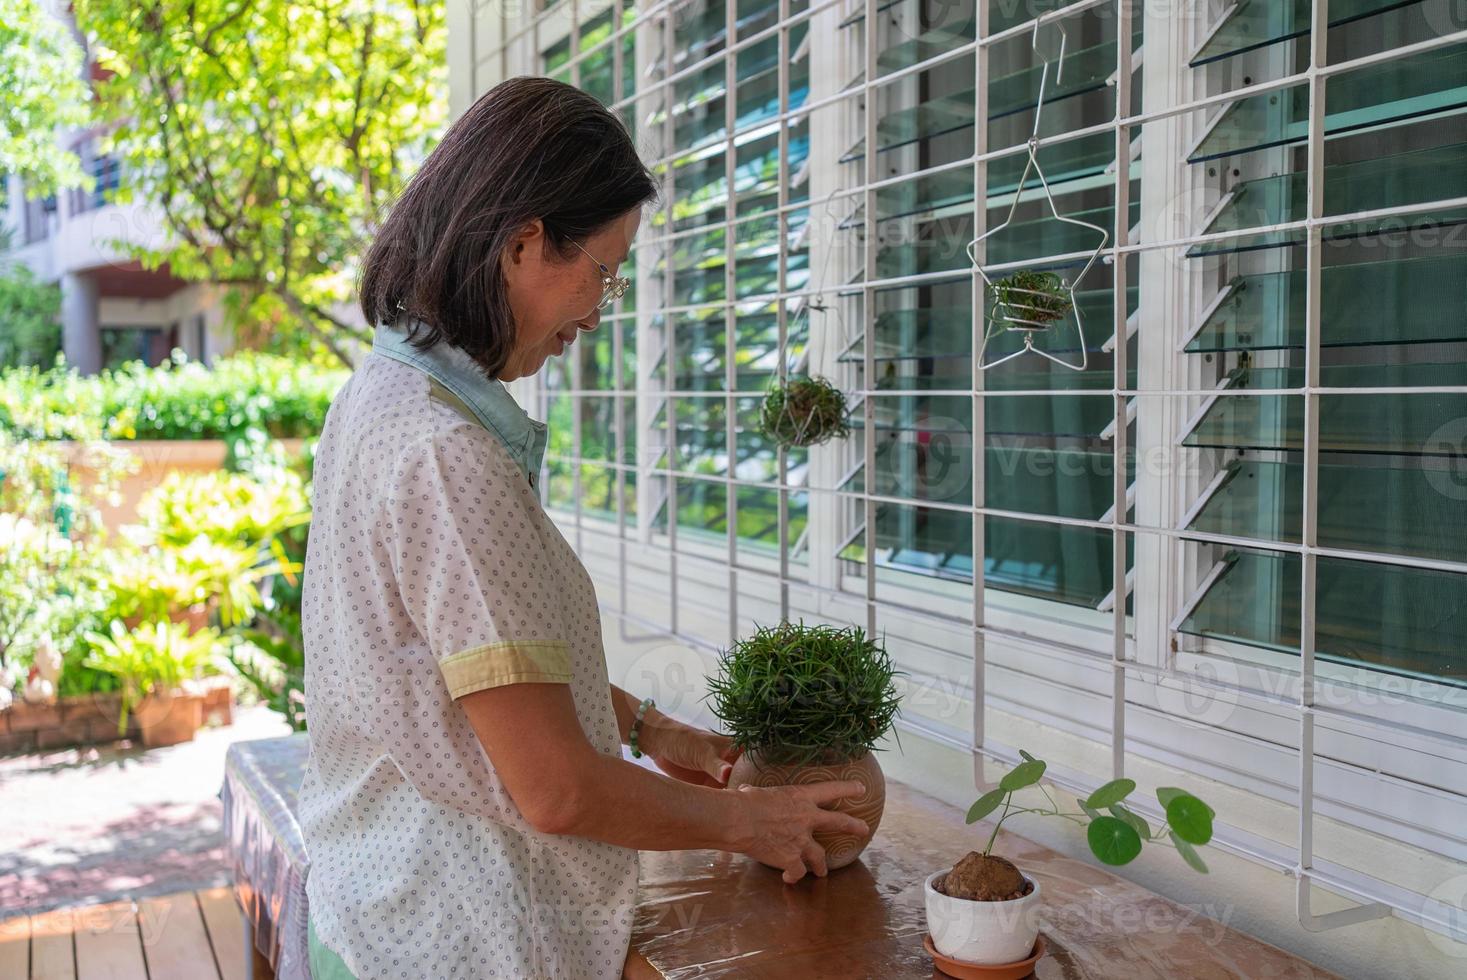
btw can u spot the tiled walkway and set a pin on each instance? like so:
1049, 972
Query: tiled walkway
106, 823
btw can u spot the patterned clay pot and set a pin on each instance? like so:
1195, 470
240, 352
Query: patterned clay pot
840, 849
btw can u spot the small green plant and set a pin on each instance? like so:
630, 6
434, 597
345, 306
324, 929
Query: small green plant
795, 694
1114, 831
271, 657
804, 412
1031, 298
156, 658
225, 508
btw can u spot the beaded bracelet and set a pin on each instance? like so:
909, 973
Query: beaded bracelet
637, 726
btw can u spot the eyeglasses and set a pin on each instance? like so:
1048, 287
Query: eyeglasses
612, 287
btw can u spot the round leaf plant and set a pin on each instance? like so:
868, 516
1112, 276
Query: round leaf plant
1116, 833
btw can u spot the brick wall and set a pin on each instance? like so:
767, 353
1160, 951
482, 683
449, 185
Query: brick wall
90, 719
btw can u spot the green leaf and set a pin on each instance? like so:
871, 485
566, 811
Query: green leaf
1026, 756
986, 804
1112, 792
1137, 822
1025, 774
1090, 811
1193, 859
1113, 841
1190, 818
1168, 793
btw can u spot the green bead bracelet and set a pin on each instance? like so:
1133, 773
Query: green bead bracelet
637, 726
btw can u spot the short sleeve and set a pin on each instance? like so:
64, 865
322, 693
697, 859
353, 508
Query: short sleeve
471, 567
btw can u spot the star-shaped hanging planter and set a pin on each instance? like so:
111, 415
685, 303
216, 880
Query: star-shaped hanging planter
1029, 301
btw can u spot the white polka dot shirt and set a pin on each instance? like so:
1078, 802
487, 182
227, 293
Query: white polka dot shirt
432, 572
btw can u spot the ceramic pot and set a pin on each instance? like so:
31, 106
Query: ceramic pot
169, 719
985, 933
840, 848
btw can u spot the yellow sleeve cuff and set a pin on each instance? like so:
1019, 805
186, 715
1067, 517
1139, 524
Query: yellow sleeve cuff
497, 664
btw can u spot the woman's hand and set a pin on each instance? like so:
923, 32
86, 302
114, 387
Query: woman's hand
784, 819
692, 755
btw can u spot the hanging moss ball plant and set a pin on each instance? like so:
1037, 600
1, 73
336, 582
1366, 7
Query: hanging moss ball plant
808, 704
1029, 300
804, 412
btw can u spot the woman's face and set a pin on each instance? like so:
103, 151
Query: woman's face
554, 299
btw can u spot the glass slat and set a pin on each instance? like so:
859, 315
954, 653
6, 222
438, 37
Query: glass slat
1383, 617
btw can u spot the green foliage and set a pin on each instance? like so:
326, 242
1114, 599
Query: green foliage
224, 508
1038, 297
273, 133
1115, 836
44, 93
798, 694
804, 412
239, 398
44, 585
30, 315
271, 658
156, 657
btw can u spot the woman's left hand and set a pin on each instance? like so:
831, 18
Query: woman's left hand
690, 754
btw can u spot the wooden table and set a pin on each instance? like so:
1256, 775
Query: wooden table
709, 914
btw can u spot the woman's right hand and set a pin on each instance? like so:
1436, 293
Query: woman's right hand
783, 819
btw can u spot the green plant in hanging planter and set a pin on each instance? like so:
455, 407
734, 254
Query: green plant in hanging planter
808, 704
804, 412
1029, 300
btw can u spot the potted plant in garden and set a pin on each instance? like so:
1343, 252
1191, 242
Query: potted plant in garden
1029, 300
159, 665
804, 412
984, 910
807, 704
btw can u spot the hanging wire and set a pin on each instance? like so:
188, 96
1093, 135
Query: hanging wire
1028, 317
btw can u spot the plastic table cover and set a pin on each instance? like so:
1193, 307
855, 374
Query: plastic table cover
262, 779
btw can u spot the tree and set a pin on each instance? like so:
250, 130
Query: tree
271, 134
30, 324
44, 94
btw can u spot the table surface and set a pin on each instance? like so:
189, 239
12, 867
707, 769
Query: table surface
709, 914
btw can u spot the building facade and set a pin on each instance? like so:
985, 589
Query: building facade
112, 309
1206, 528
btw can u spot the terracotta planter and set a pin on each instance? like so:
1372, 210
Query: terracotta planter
156, 459
840, 849
196, 616
170, 719
982, 933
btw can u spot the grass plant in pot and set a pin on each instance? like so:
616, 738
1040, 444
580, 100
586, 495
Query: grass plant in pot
807, 704
1029, 300
159, 665
804, 412
984, 910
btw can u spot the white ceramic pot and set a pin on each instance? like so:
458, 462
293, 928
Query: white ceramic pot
985, 933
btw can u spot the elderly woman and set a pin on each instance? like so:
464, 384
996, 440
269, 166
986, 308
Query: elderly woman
466, 805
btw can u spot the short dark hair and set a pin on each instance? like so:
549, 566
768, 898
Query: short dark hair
528, 148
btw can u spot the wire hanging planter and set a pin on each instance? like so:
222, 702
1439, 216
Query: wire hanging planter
804, 411
1029, 301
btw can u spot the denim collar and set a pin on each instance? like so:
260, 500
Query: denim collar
487, 398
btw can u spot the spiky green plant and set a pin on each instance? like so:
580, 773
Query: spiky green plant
1027, 295
804, 412
796, 694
